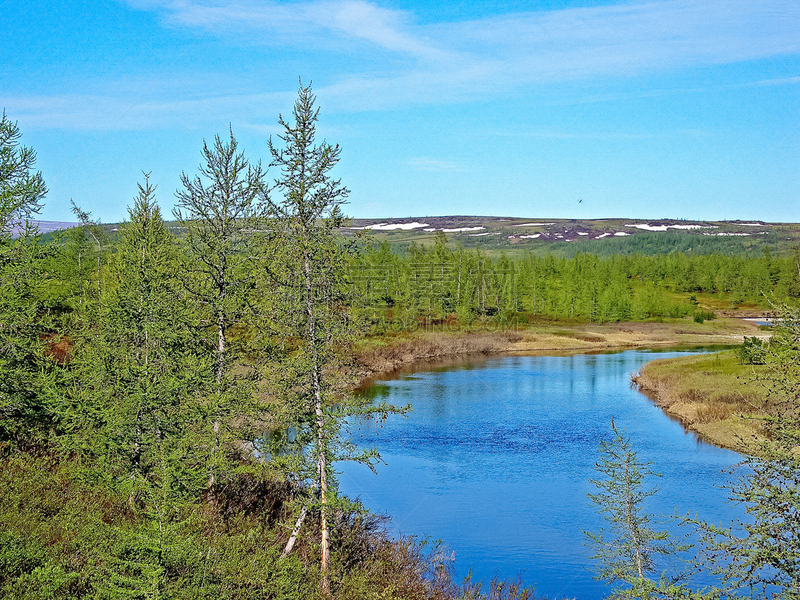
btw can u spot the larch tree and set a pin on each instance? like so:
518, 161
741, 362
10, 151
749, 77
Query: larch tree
760, 555
132, 391
626, 551
21, 349
92, 231
148, 328
316, 311
221, 209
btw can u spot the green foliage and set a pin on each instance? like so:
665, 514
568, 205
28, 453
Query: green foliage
220, 209
626, 552
136, 373
314, 315
23, 407
703, 315
21, 190
752, 351
90, 240
430, 284
762, 555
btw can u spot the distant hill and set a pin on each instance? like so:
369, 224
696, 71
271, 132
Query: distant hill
45, 226
599, 236
565, 237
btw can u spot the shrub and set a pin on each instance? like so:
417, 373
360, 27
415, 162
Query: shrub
753, 351
704, 315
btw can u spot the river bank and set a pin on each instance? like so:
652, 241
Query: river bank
711, 395
383, 354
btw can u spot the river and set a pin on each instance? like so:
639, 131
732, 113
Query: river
496, 456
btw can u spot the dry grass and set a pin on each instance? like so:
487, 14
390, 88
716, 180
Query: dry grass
389, 352
711, 394
398, 352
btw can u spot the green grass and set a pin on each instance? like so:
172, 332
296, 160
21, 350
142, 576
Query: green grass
712, 394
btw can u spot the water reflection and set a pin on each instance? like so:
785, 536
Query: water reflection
495, 459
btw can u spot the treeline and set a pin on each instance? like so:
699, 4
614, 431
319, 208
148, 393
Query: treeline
437, 281
665, 242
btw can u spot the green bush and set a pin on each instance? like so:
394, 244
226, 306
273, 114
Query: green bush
753, 351
704, 315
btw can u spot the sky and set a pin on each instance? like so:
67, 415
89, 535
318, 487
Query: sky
682, 109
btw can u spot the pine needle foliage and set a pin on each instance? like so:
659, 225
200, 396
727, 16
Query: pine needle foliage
221, 210
627, 550
315, 315
23, 408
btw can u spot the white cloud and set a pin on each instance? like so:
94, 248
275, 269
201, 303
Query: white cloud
537, 46
298, 21
136, 112
434, 63
495, 55
782, 81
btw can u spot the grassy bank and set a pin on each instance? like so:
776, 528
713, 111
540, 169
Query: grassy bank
391, 351
713, 395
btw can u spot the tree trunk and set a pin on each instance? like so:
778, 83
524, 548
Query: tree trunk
80, 279
458, 289
632, 528
295, 532
99, 256
321, 441
216, 424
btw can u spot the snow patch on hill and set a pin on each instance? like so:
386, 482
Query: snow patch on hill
647, 227
457, 229
393, 226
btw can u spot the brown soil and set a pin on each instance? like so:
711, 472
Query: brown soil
57, 347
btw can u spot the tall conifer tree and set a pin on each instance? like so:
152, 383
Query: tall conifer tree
304, 219
21, 352
221, 209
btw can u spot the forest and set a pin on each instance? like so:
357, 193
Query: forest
435, 281
173, 407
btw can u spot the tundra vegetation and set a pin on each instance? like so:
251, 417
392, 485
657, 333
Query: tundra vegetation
172, 407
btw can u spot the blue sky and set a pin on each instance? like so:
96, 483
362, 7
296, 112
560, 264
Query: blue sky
656, 109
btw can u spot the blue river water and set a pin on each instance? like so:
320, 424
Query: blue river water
495, 460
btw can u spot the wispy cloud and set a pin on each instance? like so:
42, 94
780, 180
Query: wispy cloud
90, 112
411, 62
299, 21
452, 61
772, 82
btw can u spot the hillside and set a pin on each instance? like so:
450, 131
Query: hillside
565, 237
599, 236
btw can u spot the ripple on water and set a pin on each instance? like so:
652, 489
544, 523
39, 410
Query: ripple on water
495, 459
